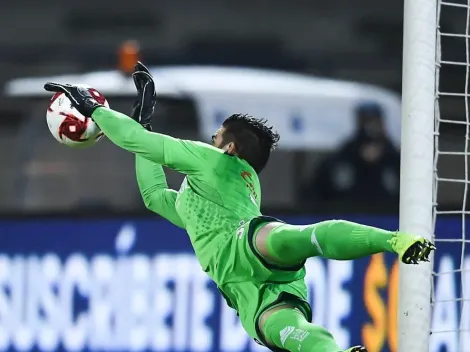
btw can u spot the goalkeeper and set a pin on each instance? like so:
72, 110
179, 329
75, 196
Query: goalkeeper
256, 261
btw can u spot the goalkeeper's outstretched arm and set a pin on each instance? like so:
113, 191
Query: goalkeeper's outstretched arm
188, 157
154, 189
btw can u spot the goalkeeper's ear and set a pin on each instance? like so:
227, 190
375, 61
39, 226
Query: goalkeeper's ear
230, 148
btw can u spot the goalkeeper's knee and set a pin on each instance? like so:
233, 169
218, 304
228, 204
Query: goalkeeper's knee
288, 329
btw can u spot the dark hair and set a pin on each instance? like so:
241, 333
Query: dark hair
254, 139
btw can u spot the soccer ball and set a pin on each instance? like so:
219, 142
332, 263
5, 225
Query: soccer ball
68, 126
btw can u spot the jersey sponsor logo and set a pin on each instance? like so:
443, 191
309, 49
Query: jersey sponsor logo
253, 199
249, 184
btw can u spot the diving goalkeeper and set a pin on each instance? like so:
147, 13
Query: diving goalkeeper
256, 261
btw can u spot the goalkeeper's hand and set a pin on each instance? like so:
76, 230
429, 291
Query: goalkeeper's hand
144, 105
81, 97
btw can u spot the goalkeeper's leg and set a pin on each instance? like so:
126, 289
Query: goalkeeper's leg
286, 328
288, 245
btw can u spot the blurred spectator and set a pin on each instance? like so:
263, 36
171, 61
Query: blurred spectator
366, 168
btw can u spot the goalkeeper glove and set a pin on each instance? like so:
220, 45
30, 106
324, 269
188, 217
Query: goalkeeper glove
144, 105
81, 97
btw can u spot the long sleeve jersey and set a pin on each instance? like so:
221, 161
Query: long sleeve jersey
219, 192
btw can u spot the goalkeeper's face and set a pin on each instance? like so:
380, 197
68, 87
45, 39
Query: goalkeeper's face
249, 138
217, 138
218, 142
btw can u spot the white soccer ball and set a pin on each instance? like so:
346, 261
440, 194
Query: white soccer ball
68, 126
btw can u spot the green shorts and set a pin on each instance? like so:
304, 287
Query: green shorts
250, 285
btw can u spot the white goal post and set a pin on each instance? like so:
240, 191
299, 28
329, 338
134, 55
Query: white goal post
417, 168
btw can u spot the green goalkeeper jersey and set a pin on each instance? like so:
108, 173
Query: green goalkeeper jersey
219, 193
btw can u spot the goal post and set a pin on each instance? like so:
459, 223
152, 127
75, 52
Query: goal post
417, 168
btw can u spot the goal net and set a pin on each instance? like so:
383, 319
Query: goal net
450, 315
435, 199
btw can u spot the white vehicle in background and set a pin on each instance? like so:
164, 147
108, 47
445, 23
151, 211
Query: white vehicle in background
313, 115
309, 112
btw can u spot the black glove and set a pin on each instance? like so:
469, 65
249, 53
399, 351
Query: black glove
82, 98
144, 105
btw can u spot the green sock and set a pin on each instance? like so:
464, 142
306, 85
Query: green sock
335, 239
288, 329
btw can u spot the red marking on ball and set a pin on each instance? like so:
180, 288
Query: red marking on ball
73, 128
97, 95
53, 99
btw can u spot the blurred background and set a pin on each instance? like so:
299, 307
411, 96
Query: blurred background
339, 141
83, 264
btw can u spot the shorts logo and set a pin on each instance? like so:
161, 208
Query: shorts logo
241, 230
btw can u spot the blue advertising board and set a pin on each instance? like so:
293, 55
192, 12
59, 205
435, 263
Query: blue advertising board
135, 285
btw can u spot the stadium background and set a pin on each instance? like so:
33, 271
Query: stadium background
83, 266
